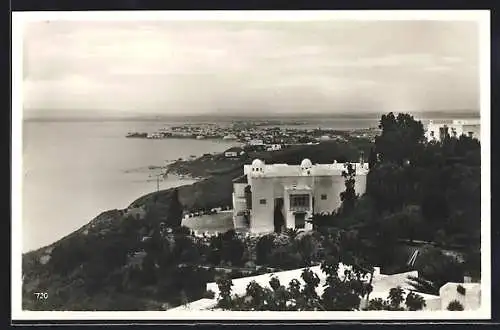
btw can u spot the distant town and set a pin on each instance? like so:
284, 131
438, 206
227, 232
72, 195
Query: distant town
260, 133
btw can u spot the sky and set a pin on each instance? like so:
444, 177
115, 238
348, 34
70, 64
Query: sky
197, 67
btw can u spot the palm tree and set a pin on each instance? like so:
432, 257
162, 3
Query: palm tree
422, 285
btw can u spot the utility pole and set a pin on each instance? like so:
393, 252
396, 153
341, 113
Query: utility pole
158, 181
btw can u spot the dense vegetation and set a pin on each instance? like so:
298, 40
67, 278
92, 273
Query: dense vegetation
419, 191
416, 191
339, 294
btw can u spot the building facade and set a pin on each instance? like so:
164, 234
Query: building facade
235, 152
456, 128
273, 197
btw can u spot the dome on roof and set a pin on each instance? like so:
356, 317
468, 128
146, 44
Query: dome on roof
306, 163
305, 167
257, 167
257, 163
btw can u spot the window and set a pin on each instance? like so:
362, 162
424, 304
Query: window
299, 200
263, 202
323, 197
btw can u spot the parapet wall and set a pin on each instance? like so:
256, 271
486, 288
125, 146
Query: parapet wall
467, 294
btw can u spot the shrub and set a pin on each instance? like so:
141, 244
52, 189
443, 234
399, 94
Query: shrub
414, 302
461, 290
263, 248
455, 306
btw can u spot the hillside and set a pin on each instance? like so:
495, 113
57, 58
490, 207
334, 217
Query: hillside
90, 268
142, 259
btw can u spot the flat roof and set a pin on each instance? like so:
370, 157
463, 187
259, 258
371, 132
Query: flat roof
381, 283
284, 170
198, 305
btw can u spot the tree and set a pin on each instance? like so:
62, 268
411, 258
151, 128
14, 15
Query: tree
224, 284
174, 218
388, 186
263, 248
341, 293
455, 305
401, 138
435, 208
422, 285
395, 299
407, 223
307, 247
348, 197
414, 302
323, 220
232, 248
436, 267
372, 158
285, 258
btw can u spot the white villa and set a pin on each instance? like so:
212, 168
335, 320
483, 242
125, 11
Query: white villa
437, 131
270, 198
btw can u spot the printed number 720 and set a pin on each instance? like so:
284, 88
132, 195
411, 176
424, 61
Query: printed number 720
41, 295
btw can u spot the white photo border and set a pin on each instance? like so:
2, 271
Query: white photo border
19, 19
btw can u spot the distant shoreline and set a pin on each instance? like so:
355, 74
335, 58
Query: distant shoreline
258, 116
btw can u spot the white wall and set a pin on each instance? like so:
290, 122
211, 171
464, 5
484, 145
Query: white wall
331, 186
239, 204
231, 154
239, 222
475, 129
432, 303
262, 216
360, 185
461, 129
239, 189
270, 188
432, 128
470, 301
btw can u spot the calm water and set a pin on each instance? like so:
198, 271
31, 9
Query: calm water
75, 170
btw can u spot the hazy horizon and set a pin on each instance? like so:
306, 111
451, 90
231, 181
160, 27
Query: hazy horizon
196, 68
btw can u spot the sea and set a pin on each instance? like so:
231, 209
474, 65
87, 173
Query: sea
75, 170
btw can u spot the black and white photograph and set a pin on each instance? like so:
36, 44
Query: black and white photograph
207, 165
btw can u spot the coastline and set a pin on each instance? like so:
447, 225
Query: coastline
73, 171
89, 253
200, 190
183, 180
